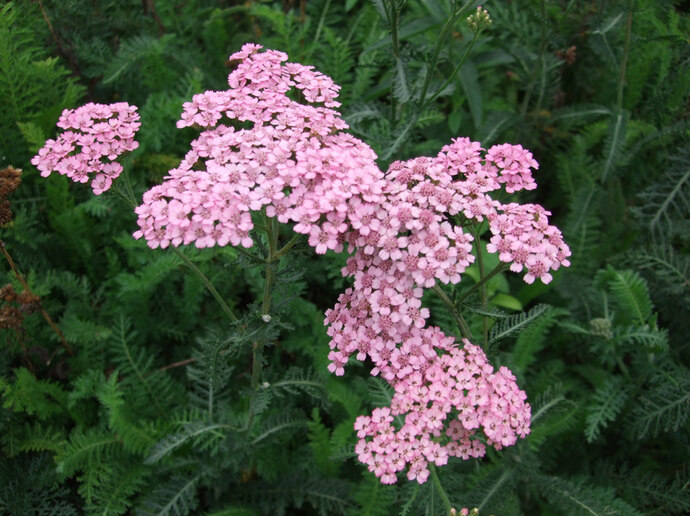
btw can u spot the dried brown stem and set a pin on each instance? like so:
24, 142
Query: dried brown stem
24, 284
150, 8
62, 49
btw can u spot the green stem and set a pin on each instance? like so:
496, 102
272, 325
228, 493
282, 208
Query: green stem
128, 186
626, 51
207, 283
394, 29
248, 254
439, 44
540, 61
319, 28
258, 345
128, 196
393, 18
288, 246
459, 319
499, 268
482, 290
455, 72
439, 489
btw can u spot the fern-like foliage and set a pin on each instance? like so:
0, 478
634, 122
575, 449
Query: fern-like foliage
34, 87
670, 268
653, 491
667, 200
373, 498
109, 490
209, 375
552, 414
516, 323
614, 143
532, 339
630, 294
28, 485
577, 497
487, 484
325, 496
605, 406
86, 449
665, 406
155, 389
27, 394
177, 497
202, 435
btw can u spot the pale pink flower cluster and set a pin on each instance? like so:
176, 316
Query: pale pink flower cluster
515, 164
414, 238
101, 131
292, 159
522, 236
444, 405
263, 150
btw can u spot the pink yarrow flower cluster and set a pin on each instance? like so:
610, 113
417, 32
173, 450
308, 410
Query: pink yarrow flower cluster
444, 406
291, 159
414, 239
261, 150
94, 136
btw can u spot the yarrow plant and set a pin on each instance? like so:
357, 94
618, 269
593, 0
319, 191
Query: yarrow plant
93, 133
274, 143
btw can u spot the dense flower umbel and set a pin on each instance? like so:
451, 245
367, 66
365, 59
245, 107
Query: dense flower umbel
101, 132
411, 240
293, 161
444, 404
404, 230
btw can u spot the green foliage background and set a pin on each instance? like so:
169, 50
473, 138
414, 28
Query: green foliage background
153, 413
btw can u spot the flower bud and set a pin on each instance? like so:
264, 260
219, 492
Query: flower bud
479, 20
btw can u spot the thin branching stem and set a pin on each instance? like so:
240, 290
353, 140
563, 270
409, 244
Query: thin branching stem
270, 274
447, 27
319, 28
455, 72
439, 488
207, 283
538, 68
394, 16
459, 319
496, 270
482, 290
288, 246
626, 52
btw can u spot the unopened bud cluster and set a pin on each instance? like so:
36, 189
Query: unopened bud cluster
479, 20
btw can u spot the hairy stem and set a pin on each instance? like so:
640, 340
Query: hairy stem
482, 290
540, 61
455, 72
269, 269
207, 283
459, 319
288, 246
499, 268
439, 488
447, 27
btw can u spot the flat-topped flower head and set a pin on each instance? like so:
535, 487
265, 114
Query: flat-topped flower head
455, 407
293, 160
94, 136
